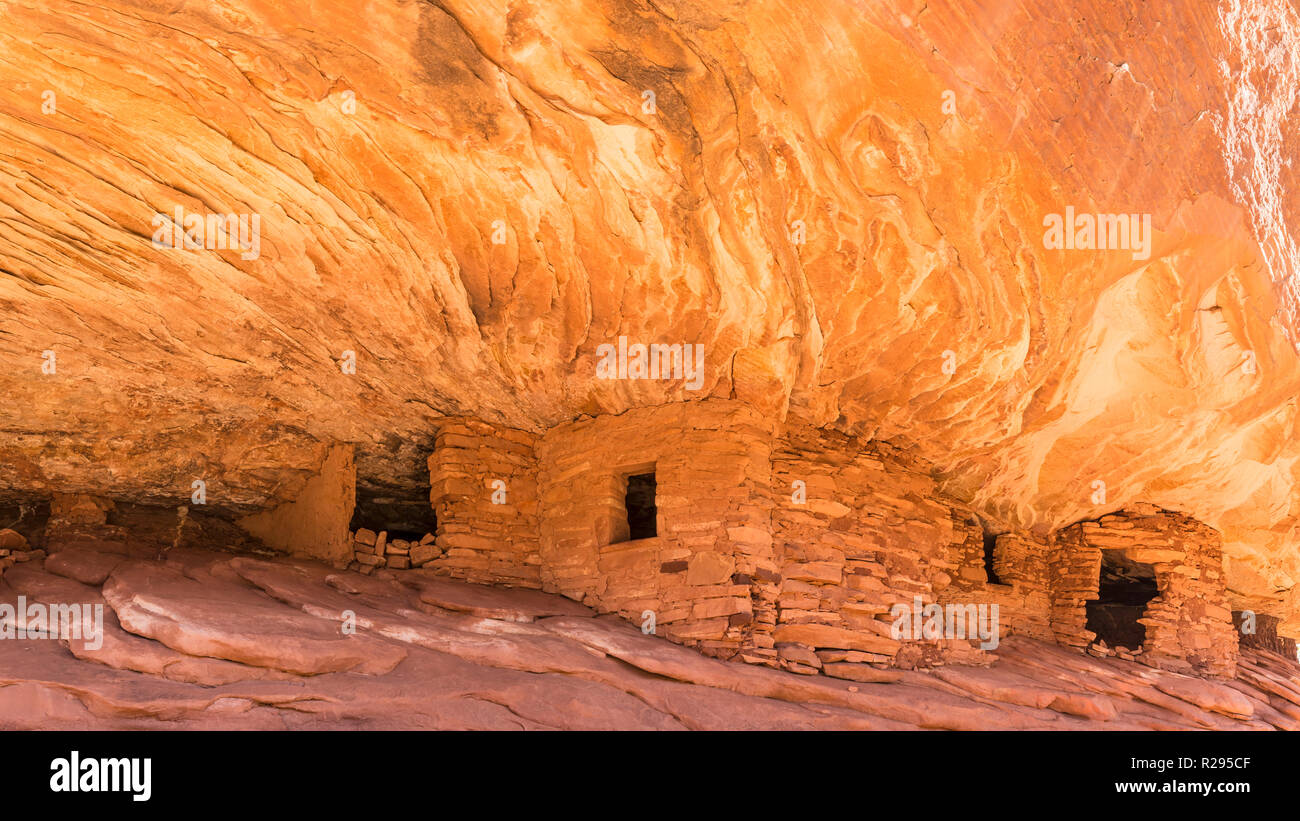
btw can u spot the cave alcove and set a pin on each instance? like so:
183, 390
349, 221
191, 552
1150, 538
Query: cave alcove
404, 512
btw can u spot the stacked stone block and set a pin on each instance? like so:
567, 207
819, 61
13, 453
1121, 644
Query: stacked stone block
483, 481
1020, 563
373, 550
707, 578
15, 549
861, 527
1264, 635
789, 550
1189, 624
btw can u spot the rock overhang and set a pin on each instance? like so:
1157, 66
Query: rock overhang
844, 206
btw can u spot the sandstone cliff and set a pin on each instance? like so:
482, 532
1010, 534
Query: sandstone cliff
843, 202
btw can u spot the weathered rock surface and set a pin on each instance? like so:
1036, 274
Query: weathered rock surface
83, 565
836, 200
536, 662
223, 620
489, 602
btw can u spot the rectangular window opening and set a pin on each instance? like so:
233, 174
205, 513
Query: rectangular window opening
642, 513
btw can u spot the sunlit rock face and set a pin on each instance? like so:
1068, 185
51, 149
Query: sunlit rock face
847, 204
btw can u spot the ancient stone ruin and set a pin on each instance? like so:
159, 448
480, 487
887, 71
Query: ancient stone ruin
790, 546
608, 364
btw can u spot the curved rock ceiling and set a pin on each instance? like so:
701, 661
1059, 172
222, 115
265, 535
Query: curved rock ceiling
844, 202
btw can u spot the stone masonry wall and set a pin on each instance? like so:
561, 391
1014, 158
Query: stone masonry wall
1188, 625
1265, 636
371, 550
483, 485
1076, 571
1020, 563
789, 551
708, 575
869, 531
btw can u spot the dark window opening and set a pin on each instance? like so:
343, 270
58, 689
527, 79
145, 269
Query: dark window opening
640, 504
1125, 589
990, 542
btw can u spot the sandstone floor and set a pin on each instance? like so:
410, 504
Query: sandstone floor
204, 639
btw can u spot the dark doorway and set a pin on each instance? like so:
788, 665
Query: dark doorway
1126, 588
404, 513
393, 487
640, 503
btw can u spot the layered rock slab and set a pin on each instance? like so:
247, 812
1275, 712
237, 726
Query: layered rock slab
187, 656
224, 620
